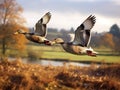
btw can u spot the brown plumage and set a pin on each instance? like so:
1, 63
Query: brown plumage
39, 33
79, 45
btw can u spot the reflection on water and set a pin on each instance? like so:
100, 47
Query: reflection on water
50, 62
61, 63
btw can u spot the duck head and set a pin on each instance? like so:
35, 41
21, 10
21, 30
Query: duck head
57, 41
20, 31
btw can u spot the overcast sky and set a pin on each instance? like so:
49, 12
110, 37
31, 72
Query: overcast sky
71, 13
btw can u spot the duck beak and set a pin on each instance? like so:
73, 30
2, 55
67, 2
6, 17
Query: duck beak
16, 33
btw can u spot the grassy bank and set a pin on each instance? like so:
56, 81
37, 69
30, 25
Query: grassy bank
19, 76
57, 52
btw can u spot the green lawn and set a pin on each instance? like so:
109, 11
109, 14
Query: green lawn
64, 55
56, 52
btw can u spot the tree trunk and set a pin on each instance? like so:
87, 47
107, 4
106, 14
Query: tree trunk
3, 47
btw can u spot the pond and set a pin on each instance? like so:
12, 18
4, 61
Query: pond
59, 63
50, 62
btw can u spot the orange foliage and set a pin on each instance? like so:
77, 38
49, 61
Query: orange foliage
10, 21
108, 40
19, 76
19, 41
10, 12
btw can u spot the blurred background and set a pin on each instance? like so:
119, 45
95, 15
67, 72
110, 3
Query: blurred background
67, 15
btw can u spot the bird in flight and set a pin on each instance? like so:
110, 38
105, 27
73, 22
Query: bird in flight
80, 42
40, 31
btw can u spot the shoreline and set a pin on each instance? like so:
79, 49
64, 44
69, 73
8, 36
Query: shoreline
65, 61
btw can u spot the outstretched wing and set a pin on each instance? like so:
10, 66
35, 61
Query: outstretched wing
82, 33
41, 25
70, 37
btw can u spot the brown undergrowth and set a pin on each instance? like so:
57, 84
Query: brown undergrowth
15, 75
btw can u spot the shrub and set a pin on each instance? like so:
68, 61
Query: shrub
34, 55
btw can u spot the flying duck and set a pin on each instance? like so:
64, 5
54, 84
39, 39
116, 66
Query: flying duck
79, 45
39, 33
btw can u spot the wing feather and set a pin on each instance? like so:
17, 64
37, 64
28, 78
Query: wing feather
41, 25
82, 33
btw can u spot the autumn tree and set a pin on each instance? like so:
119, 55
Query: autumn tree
115, 31
107, 40
10, 21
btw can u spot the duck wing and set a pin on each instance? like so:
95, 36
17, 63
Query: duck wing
82, 33
41, 25
70, 37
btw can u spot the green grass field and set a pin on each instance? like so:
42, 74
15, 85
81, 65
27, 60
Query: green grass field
56, 52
